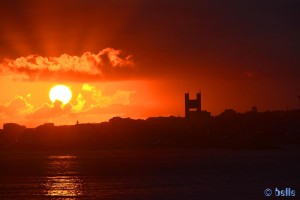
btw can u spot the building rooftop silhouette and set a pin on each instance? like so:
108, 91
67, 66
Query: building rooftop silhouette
192, 106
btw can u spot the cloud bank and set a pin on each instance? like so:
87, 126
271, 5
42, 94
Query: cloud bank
106, 65
89, 105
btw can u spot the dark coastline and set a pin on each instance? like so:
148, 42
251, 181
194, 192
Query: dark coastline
229, 130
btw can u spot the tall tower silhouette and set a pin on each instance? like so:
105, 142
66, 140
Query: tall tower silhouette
299, 101
192, 105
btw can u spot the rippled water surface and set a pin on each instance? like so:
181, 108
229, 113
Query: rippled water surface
147, 174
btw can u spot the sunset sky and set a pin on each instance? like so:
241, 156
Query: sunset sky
137, 58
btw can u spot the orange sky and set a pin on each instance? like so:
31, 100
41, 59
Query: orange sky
137, 58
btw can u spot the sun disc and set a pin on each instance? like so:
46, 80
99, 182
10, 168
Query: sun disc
60, 93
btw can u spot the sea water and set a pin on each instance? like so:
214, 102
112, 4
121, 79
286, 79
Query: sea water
147, 174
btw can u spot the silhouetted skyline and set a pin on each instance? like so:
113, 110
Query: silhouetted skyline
228, 130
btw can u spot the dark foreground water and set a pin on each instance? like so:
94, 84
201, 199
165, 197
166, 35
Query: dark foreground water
149, 174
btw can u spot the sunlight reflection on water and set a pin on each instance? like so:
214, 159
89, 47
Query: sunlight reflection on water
145, 174
63, 180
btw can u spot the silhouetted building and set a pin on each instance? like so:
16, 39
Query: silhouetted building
46, 127
47, 124
254, 109
12, 127
192, 106
1, 135
11, 132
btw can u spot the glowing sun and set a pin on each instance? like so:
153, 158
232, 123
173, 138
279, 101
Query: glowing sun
60, 93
